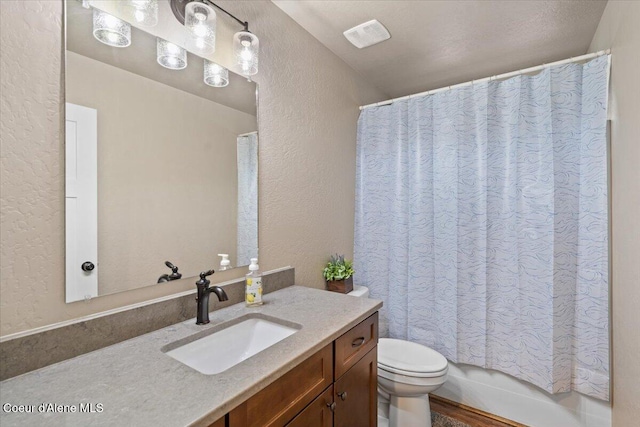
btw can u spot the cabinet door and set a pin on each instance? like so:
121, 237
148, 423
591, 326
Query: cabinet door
356, 394
319, 413
220, 423
280, 401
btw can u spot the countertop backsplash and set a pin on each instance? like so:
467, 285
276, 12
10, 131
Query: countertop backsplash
26, 352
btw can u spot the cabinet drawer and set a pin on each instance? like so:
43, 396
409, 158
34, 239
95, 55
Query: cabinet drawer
279, 402
355, 343
318, 413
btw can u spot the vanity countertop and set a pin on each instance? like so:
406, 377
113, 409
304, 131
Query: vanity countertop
137, 384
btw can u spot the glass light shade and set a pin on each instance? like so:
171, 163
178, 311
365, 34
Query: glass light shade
110, 30
143, 12
171, 55
200, 21
215, 75
245, 48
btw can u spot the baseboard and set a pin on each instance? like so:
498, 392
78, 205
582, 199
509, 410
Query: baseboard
463, 412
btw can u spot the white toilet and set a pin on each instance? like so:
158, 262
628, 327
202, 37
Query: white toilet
407, 372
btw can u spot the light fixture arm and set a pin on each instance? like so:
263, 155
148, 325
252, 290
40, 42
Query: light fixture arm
245, 24
245, 44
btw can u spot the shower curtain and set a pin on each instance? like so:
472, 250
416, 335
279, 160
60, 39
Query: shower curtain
482, 223
247, 159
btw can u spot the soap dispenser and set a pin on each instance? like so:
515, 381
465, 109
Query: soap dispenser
253, 288
225, 264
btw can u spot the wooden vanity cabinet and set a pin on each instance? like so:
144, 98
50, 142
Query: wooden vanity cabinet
222, 422
336, 386
356, 394
355, 343
280, 401
318, 413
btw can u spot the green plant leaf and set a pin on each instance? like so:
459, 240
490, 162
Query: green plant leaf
338, 268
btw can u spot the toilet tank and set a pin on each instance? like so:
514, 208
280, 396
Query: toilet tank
359, 291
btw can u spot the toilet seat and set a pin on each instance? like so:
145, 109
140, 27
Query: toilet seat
410, 359
436, 379
391, 370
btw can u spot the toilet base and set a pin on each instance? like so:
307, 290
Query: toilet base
409, 411
383, 405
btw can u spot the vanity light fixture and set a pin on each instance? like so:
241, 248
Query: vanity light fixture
215, 75
110, 30
200, 20
144, 12
171, 55
246, 44
245, 48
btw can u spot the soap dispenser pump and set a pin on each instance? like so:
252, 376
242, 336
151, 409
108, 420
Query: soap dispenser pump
225, 264
253, 288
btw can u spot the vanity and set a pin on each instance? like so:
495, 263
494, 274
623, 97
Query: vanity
324, 374
337, 386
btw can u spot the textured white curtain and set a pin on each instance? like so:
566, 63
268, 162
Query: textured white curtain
481, 221
247, 198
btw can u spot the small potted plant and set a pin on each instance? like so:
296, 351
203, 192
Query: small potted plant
339, 274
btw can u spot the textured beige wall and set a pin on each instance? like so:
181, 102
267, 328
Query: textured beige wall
146, 161
307, 113
619, 30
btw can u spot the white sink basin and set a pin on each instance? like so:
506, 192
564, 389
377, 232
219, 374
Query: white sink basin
219, 351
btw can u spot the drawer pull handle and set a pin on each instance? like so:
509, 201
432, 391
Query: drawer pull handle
332, 406
343, 395
357, 342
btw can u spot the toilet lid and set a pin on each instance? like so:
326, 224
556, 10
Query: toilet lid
399, 355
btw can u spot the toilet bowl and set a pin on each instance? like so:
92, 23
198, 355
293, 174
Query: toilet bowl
407, 373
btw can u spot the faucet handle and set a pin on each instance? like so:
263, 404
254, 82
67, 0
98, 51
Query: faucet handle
203, 278
206, 273
174, 271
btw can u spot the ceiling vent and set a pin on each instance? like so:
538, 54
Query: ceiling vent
367, 34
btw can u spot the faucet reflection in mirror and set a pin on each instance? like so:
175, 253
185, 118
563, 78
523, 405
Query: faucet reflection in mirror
199, 20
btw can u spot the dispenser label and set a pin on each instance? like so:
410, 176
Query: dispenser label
253, 293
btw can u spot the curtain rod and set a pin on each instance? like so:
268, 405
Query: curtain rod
497, 77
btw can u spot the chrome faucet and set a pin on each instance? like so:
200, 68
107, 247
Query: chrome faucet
203, 297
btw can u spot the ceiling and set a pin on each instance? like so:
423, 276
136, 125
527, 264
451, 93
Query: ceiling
440, 43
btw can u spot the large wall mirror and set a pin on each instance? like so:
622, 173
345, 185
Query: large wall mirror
160, 167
